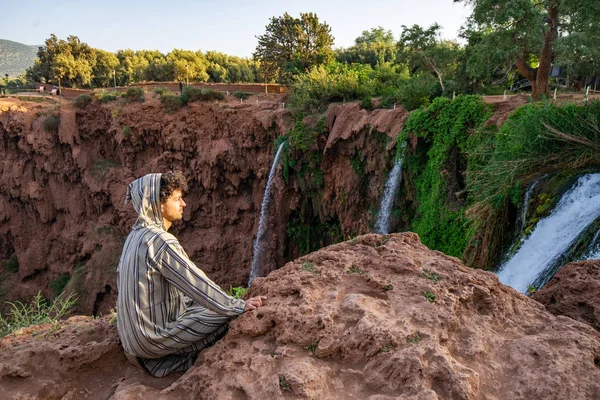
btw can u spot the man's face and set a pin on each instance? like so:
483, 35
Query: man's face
172, 209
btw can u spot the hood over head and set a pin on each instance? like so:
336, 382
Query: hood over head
144, 193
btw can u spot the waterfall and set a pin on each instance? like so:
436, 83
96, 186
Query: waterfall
525, 206
258, 242
593, 250
533, 263
391, 186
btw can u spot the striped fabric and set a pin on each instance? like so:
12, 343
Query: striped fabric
167, 308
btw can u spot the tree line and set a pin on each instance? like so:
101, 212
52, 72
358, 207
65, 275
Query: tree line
73, 63
503, 42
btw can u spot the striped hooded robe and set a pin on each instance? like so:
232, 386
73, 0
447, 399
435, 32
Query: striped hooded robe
167, 308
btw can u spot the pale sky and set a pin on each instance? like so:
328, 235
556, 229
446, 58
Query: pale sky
228, 26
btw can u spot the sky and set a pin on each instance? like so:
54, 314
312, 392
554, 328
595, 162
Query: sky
227, 26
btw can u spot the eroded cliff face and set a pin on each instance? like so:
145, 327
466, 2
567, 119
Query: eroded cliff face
375, 317
62, 217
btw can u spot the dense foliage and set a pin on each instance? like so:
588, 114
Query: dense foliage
72, 63
440, 212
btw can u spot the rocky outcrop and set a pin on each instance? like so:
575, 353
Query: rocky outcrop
376, 317
575, 292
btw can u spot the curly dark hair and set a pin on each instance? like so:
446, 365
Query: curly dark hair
170, 182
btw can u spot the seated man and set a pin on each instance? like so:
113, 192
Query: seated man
167, 308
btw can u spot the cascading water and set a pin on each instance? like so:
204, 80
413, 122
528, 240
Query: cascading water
258, 242
391, 186
553, 236
593, 250
525, 207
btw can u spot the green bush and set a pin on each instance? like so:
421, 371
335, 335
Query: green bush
412, 93
51, 124
58, 285
191, 94
126, 131
241, 95
367, 103
161, 91
83, 101
12, 264
334, 82
171, 102
134, 94
108, 97
39, 311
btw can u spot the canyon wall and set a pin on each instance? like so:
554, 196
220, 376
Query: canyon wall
62, 217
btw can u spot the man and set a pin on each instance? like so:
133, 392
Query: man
167, 308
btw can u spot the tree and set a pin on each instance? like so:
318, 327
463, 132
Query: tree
374, 47
423, 50
71, 62
106, 63
529, 32
292, 45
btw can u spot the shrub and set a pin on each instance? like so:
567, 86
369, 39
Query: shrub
171, 102
412, 93
191, 94
160, 91
83, 101
12, 264
241, 95
39, 311
367, 103
134, 94
126, 131
108, 97
51, 124
58, 285
333, 82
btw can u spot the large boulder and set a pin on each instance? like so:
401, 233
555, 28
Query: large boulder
575, 292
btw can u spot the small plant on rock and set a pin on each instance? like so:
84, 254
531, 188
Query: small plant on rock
39, 311
51, 124
414, 338
387, 348
355, 270
12, 264
429, 296
432, 276
283, 384
237, 292
310, 267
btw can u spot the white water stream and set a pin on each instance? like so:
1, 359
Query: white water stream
258, 247
391, 187
554, 235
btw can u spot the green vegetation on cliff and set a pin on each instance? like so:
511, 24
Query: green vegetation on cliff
439, 185
469, 179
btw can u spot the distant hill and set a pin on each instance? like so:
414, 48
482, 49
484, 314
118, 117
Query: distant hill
16, 57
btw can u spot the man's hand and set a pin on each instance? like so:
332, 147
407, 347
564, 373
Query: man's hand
254, 302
